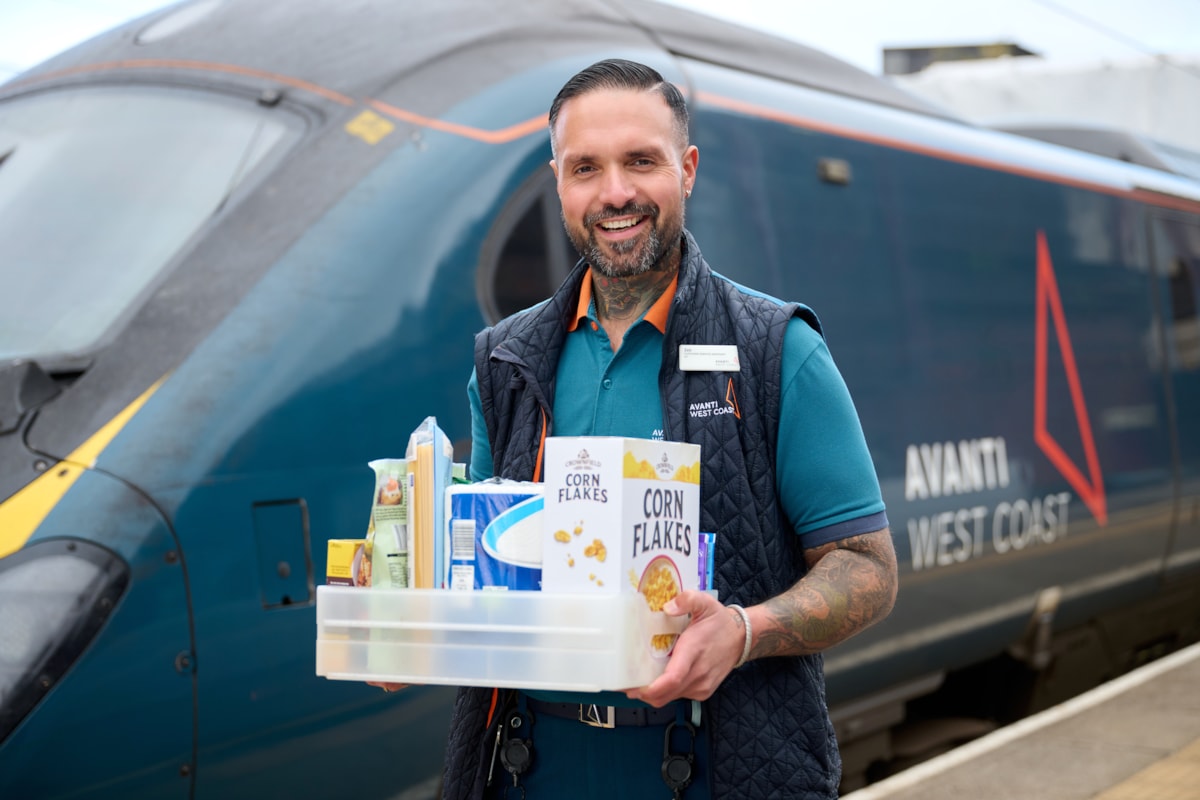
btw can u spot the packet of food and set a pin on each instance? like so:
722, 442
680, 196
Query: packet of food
387, 538
430, 457
494, 535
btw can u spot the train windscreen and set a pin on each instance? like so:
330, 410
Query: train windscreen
99, 188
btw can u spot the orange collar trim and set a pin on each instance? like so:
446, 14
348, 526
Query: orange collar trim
585, 301
656, 315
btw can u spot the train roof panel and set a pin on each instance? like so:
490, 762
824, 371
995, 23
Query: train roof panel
361, 47
431, 57
728, 44
1122, 145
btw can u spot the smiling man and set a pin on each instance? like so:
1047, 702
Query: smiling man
624, 166
804, 554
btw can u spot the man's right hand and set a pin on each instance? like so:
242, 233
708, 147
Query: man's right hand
704, 654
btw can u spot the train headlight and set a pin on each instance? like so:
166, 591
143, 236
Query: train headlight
55, 595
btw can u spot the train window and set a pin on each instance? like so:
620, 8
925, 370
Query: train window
1177, 251
527, 254
100, 188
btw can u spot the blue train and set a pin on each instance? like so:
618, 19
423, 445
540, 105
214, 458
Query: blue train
245, 249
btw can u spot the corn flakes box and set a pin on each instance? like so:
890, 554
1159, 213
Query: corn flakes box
621, 514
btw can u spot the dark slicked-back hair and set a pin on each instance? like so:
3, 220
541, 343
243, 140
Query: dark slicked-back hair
618, 73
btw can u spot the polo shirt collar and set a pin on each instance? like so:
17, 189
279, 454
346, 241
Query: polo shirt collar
656, 315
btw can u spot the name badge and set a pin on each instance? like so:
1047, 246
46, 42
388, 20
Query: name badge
709, 358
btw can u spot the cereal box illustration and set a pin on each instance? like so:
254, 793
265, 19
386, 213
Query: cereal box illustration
622, 514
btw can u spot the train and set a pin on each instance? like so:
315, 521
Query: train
247, 246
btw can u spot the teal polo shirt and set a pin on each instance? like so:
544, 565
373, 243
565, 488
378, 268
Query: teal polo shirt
602, 393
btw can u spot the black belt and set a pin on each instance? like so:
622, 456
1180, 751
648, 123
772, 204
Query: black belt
605, 716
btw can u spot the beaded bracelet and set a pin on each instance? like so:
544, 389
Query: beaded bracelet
745, 624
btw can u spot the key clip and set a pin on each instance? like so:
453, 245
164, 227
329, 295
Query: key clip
677, 768
516, 745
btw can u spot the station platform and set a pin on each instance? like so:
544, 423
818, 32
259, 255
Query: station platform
1134, 738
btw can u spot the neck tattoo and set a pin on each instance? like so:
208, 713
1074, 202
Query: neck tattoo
626, 298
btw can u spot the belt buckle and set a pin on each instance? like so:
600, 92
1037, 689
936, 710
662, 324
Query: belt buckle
590, 714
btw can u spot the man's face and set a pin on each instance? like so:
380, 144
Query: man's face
622, 176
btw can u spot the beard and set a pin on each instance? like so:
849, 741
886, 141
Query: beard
631, 257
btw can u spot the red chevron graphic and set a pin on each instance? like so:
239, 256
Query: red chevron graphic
1091, 491
731, 399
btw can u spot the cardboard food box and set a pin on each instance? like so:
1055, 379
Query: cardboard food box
346, 563
621, 515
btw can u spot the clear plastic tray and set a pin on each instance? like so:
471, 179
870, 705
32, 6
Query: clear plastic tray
513, 639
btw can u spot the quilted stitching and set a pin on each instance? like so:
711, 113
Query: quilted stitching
772, 735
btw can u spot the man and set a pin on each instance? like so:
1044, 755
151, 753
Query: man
804, 554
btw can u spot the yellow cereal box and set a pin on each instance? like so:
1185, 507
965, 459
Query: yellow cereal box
621, 515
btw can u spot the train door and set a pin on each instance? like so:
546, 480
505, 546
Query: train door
1176, 252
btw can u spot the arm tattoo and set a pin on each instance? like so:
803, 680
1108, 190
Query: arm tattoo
850, 585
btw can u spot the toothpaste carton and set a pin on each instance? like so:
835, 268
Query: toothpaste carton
622, 515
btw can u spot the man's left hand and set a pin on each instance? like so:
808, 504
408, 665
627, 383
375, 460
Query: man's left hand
704, 654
